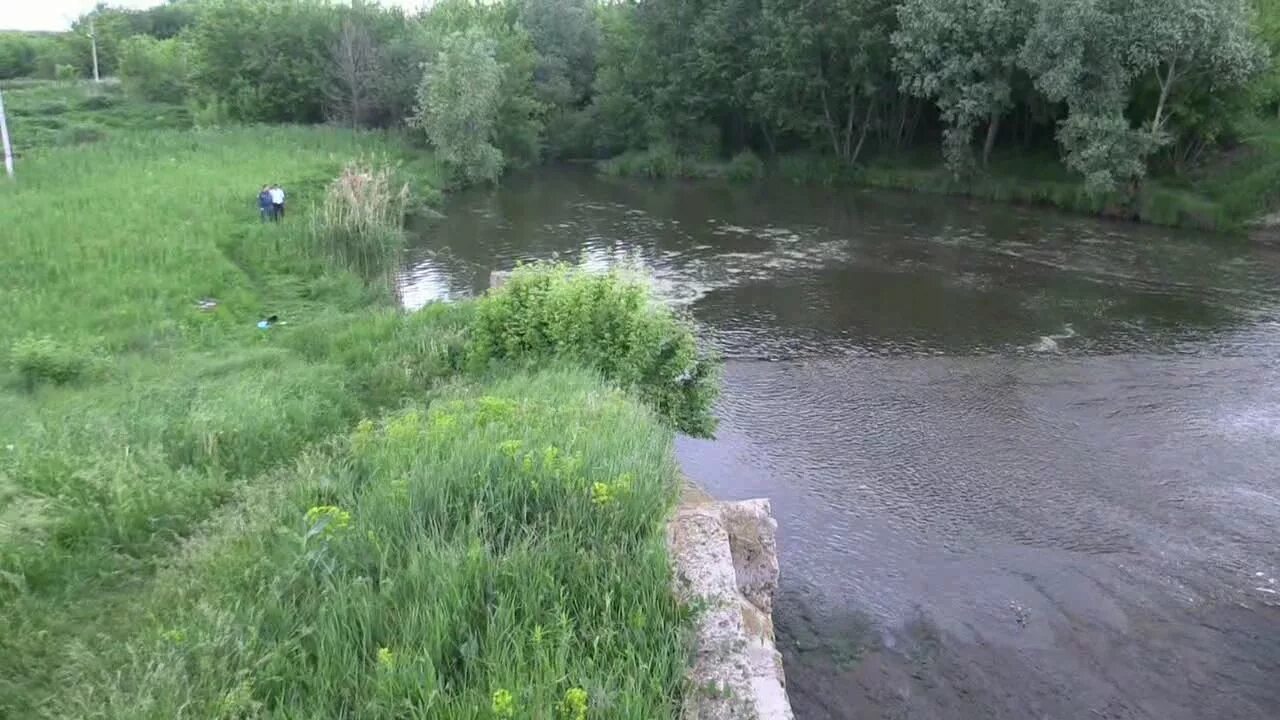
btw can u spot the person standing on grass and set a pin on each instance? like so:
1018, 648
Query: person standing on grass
277, 202
265, 206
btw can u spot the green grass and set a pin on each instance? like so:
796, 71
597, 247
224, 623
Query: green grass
46, 114
501, 528
464, 549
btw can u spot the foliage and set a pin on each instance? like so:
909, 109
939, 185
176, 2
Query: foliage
518, 129
66, 73
565, 37
745, 166
823, 70
458, 106
39, 359
153, 69
263, 62
962, 54
21, 54
44, 114
608, 322
1089, 53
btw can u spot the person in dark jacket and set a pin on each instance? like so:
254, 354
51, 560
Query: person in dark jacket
265, 206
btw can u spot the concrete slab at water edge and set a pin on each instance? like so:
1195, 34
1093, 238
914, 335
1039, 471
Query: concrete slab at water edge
725, 559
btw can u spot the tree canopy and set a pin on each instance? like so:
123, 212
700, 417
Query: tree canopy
1113, 86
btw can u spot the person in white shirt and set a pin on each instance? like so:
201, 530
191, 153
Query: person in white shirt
277, 202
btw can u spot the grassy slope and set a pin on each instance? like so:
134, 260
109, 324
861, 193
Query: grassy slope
44, 114
154, 552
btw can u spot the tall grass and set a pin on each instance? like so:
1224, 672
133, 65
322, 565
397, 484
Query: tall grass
499, 544
360, 223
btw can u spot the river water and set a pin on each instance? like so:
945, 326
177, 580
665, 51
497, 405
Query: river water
1024, 465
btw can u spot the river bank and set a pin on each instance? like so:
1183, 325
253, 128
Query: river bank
346, 509
1227, 193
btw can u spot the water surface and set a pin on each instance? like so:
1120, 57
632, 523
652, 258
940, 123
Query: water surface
1024, 465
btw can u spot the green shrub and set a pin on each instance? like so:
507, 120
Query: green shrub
745, 167
65, 73
659, 162
43, 359
98, 102
608, 322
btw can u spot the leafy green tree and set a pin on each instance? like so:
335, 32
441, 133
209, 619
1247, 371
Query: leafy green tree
622, 105
1186, 42
521, 115
822, 68
1090, 54
962, 54
18, 53
355, 72
458, 105
263, 62
154, 69
565, 35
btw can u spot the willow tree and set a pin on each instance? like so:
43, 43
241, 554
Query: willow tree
1089, 54
458, 104
962, 54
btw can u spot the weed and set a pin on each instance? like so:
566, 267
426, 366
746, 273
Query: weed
40, 359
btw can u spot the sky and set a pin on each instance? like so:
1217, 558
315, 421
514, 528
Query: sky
58, 14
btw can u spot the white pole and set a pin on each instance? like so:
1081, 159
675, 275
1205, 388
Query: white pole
93, 42
4, 136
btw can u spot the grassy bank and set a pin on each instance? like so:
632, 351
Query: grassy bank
359, 512
44, 113
1228, 192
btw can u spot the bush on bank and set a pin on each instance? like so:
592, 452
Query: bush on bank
611, 323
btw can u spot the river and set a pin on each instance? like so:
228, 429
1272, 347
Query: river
1024, 465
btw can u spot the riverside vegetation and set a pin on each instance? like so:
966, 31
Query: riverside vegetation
1159, 110
361, 512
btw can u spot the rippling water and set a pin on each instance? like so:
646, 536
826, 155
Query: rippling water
1024, 465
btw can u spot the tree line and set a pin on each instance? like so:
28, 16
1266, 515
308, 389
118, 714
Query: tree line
1113, 87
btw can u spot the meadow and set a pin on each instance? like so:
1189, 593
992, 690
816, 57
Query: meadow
358, 512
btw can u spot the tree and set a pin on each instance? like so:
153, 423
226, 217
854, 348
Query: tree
1189, 41
521, 115
1089, 54
822, 68
962, 54
622, 105
154, 69
263, 62
354, 72
565, 35
458, 105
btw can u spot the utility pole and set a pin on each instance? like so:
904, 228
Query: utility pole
93, 43
4, 136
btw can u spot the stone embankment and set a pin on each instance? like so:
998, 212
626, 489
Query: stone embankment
726, 562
